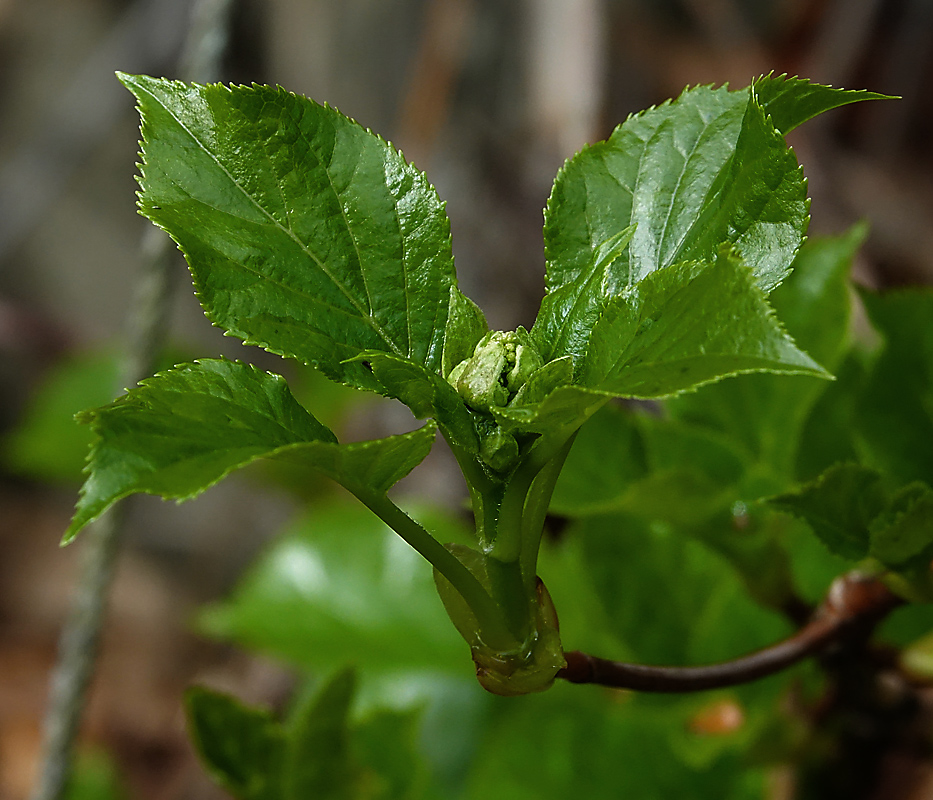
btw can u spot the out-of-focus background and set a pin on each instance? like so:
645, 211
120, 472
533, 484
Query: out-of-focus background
489, 97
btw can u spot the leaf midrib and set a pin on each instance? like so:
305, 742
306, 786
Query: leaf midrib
366, 318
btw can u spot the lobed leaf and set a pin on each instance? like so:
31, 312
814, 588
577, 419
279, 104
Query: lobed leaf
182, 430
305, 234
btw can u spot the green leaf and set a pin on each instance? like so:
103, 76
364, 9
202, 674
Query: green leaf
685, 325
337, 587
591, 483
560, 413
387, 744
318, 761
305, 234
902, 537
698, 608
569, 311
792, 101
764, 413
894, 415
839, 506
558, 745
705, 169
243, 748
466, 325
47, 444
828, 433
427, 394
183, 430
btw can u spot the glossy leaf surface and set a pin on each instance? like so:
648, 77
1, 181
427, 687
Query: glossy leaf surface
791, 101
704, 169
305, 233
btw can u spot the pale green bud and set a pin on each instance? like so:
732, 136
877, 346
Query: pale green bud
497, 370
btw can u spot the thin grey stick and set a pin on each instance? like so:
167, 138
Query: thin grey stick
80, 638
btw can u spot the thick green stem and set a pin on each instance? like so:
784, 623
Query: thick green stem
485, 494
494, 629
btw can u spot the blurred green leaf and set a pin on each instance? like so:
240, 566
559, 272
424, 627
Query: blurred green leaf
243, 748
894, 414
589, 743
387, 743
590, 482
339, 587
669, 598
902, 536
47, 444
839, 506
829, 434
317, 760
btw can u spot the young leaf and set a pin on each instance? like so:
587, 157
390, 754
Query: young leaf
792, 101
466, 325
242, 748
305, 233
685, 325
427, 394
839, 506
317, 761
704, 169
182, 430
569, 311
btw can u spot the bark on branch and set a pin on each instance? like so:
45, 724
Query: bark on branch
854, 604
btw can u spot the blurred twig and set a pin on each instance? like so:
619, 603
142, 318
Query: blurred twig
199, 61
145, 38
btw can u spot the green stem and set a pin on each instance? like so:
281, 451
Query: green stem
547, 456
485, 494
495, 631
536, 507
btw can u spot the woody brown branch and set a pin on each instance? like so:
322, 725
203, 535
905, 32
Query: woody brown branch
854, 604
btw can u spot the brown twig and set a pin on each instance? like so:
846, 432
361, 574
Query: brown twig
855, 602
